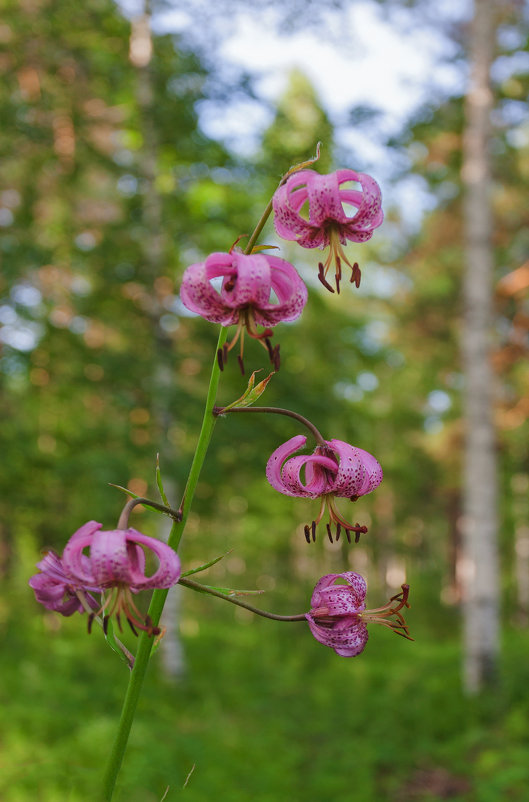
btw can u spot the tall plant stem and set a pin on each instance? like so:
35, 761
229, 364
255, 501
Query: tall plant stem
159, 596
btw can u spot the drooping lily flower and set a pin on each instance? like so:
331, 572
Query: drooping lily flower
116, 563
326, 223
338, 617
246, 295
334, 469
58, 591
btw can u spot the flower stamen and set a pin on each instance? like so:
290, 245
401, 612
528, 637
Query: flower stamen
380, 615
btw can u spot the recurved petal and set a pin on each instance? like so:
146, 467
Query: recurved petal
251, 284
199, 296
321, 584
74, 561
325, 203
291, 294
348, 636
358, 471
356, 589
111, 561
287, 201
351, 637
276, 460
374, 473
346, 599
316, 480
368, 201
168, 572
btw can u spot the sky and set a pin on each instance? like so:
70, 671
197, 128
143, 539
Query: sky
361, 58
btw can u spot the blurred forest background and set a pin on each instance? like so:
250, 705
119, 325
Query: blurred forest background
110, 188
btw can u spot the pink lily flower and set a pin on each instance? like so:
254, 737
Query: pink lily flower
58, 591
116, 562
327, 223
338, 617
334, 469
245, 296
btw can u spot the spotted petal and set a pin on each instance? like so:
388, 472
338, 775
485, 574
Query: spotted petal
116, 558
358, 472
347, 636
325, 198
340, 599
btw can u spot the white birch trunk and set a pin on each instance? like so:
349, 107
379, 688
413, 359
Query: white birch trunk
479, 565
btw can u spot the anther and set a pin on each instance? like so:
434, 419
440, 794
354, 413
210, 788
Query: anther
269, 348
329, 533
90, 622
314, 531
131, 625
307, 533
348, 533
321, 276
338, 532
220, 359
118, 619
357, 536
276, 359
106, 619
241, 364
356, 275
338, 275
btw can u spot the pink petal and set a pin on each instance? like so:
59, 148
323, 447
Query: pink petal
347, 637
275, 462
200, 297
73, 560
318, 480
290, 290
169, 569
110, 560
325, 588
252, 283
324, 199
358, 472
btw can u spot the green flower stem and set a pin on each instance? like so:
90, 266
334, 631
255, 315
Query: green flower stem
266, 214
159, 596
276, 411
189, 583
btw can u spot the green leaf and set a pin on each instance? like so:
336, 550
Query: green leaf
206, 565
251, 394
232, 592
159, 482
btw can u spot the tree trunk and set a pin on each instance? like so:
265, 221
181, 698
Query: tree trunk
479, 565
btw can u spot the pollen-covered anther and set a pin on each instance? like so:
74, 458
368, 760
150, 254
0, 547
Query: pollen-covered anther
321, 277
356, 275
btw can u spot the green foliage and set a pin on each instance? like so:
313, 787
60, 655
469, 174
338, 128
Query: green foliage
263, 711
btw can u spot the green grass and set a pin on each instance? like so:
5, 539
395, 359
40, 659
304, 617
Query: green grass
264, 713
